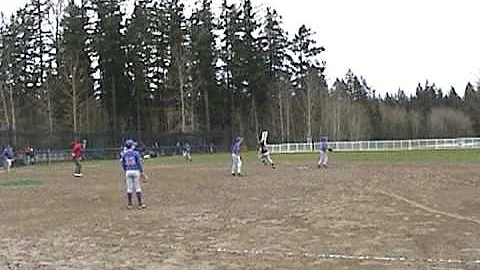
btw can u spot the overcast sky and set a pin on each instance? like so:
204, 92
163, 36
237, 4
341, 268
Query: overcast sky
392, 43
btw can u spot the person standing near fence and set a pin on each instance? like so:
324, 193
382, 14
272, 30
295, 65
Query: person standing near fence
77, 153
236, 159
8, 157
26, 156
187, 152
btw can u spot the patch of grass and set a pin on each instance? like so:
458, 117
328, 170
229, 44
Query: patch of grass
202, 158
469, 155
461, 155
20, 182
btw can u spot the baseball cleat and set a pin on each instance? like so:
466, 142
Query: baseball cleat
78, 175
142, 206
129, 207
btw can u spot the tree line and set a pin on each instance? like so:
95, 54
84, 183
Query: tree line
87, 66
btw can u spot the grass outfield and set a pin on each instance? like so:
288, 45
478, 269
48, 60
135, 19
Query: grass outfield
20, 182
468, 155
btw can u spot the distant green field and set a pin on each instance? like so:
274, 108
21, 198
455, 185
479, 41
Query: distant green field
471, 155
20, 182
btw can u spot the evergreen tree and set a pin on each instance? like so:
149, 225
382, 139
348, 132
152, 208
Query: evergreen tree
251, 73
204, 59
471, 101
6, 46
423, 103
305, 54
141, 53
178, 73
109, 44
41, 54
357, 88
277, 60
401, 98
18, 74
74, 69
453, 100
229, 26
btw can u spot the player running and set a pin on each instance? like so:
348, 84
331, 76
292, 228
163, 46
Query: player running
236, 159
264, 155
133, 167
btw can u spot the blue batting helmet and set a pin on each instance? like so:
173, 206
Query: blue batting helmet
129, 144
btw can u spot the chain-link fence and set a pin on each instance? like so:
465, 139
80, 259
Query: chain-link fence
55, 146
62, 155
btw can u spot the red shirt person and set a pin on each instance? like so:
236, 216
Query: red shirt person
77, 152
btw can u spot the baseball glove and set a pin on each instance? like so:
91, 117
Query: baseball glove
144, 177
330, 150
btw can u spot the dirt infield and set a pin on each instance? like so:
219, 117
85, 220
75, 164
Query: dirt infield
373, 215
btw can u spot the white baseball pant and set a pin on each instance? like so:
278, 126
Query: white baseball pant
236, 164
133, 181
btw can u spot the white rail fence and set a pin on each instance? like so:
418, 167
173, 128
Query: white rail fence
393, 145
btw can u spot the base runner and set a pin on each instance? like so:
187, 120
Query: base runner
264, 155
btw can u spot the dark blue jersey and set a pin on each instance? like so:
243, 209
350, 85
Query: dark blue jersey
323, 146
132, 161
8, 153
236, 148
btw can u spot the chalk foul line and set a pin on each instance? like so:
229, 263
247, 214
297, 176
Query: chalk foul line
429, 209
336, 256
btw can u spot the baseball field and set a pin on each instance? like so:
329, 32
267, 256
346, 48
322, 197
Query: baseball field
378, 210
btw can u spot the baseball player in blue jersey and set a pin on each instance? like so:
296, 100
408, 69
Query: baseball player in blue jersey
132, 165
187, 152
8, 157
324, 149
236, 159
